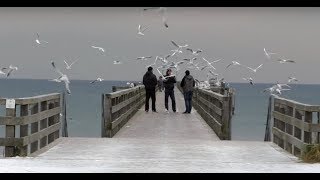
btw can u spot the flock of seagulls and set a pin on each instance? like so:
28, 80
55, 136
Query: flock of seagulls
171, 60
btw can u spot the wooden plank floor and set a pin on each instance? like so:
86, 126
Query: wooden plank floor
163, 125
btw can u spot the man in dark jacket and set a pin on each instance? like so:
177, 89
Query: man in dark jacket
168, 83
150, 83
187, 85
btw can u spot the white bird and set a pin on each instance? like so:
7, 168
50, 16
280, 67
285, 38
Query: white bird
249, 79
292, 79
63, 78
285, 61
254, 70
117, 62
99, 48
155, 61
40, 41
11, 68
203, 67
140, 32
164, 59
194, 52
98, 79
2, 72
233, 63
176, 65
69, 66
179, 46
267, 53
213, 73
175, 51
144, 58
210, 63
191, 61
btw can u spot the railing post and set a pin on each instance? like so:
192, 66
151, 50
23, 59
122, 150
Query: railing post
107, 116
24, 129
226, 119
10, 132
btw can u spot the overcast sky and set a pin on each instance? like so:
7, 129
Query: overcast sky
229, 33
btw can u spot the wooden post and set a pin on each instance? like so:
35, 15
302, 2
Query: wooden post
64, 121
24, 129
226, 119
107, 116
10, 132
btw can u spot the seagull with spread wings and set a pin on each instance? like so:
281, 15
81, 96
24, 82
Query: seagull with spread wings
63, 77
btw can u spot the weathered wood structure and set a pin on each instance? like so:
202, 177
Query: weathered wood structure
294, 125
118, 107
36, 120
215, 108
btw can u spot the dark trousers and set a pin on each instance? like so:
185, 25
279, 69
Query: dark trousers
173, 100
150, 94
188, 101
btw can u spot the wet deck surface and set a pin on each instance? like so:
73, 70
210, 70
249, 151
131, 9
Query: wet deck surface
160, 142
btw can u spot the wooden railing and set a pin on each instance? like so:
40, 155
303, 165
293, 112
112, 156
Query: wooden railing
216, 109
38, 121
295, 125
118, 107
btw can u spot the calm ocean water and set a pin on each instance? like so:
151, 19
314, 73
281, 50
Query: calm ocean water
84, 105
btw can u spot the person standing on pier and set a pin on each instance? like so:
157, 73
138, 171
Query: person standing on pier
168, 83
150, 83
187, 85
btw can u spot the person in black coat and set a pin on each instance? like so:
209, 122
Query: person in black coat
150, 82
168, 83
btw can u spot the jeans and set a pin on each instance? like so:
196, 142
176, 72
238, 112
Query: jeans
188, 101
173, 100
150, 94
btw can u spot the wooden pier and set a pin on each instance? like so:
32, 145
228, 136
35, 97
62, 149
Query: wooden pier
138, 141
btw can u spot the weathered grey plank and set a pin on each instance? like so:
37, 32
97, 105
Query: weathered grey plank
11, 142
32, 100
124, 91
297, 105
40, 134
211, 106
10, 132
288, 138
124, 103
123, 116
7, 120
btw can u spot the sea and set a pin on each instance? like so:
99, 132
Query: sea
84, 104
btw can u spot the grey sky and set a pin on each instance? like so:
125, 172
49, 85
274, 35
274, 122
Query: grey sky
230, 33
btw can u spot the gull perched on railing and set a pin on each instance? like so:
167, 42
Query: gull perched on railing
38, 41
140, 32
267, 53
63, 78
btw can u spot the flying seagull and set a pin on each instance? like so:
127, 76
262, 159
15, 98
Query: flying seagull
285, 61
144, 58
249, 79
63, 78
233, 63
69, 66
140, 32
11, 68
292, 79
267, 53
194, 52
117, 62
210, 63
38, 41
179, 46
98, 79
99, 48
255, 70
